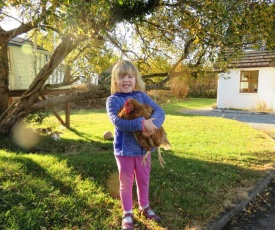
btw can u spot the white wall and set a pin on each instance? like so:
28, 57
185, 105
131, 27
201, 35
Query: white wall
228, 95
22, 70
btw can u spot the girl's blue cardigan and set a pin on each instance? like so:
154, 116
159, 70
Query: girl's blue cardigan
125, 143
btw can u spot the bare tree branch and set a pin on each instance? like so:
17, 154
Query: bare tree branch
93, 93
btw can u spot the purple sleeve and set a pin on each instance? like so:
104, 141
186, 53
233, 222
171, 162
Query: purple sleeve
158, 111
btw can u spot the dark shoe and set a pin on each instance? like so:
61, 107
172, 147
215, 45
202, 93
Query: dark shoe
149, 214
127, 225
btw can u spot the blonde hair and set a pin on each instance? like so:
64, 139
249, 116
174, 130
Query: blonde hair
124, 67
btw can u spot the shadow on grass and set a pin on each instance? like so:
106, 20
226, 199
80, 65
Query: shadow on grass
80, 134
27, 188
185, 191
32, 195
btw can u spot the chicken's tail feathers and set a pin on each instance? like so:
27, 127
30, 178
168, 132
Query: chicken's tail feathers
165, 142
166, 145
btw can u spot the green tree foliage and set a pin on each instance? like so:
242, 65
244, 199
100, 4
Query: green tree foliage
158, 35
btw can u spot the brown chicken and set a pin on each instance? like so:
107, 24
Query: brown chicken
132, 109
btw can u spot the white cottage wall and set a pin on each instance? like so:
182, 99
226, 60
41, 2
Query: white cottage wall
22, 66
266, 88
228, 95
21, 69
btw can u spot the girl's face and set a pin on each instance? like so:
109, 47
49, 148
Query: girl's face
126, 83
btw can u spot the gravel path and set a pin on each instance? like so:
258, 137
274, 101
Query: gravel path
257, 120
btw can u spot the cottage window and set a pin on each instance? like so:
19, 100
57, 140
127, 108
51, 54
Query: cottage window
249, 81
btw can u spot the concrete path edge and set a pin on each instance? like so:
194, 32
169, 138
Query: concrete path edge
224, 218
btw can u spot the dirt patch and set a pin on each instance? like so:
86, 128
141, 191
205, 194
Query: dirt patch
259, 213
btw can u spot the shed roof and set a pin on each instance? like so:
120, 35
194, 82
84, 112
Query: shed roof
254, 58
18, 41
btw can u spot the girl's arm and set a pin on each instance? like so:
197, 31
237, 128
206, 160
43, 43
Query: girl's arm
158, 114
149, 127
113, 105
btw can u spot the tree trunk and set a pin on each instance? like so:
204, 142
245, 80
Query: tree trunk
4, 77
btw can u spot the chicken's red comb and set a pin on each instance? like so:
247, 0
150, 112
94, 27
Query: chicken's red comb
126, 102
126, 106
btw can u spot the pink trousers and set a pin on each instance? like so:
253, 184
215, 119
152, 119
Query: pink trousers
130, 168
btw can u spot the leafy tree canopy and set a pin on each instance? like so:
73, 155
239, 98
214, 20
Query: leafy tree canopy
160, 36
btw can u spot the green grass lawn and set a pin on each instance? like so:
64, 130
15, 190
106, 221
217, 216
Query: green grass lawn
73, 183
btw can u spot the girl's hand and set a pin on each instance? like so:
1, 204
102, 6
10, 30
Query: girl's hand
145, 134
149, 126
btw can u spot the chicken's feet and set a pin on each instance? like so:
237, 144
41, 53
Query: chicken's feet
145, 158
161, 161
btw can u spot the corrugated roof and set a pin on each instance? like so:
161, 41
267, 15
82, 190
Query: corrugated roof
18, 41
253, 58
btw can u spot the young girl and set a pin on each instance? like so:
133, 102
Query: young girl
127, 83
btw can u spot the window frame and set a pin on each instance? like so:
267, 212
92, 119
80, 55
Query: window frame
252, 82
